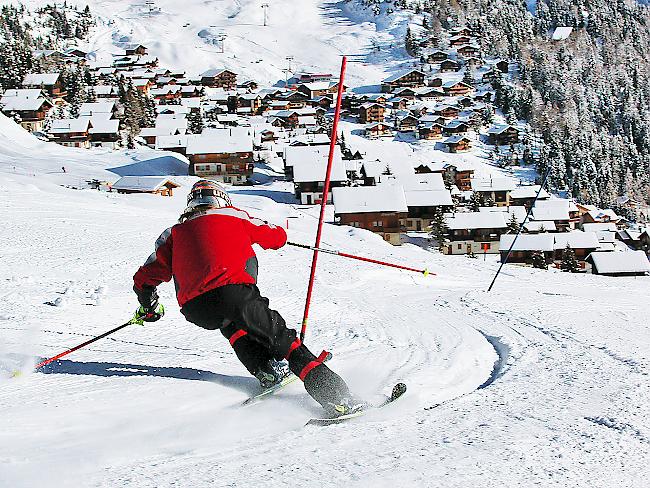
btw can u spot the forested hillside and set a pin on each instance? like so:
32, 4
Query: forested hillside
587, 95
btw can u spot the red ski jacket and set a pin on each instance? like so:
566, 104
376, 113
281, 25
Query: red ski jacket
209, 250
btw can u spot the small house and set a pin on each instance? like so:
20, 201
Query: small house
71, 132
475, 232
222, 154
157, 185
526, 247
429, 131
449, 66
371, 112
628, 263
496, 189
503, 134
51, 83
378, 129
456, 144
411, 78
381, 209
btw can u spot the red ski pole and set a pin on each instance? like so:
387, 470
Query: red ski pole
425, 271
135, 320
323, 203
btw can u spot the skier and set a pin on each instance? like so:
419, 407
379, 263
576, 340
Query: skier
209, 255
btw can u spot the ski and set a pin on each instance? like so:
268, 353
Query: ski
287, 380
398, 390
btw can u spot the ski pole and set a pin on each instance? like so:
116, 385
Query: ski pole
135, 320
425, 271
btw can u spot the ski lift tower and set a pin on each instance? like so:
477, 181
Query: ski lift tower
221, 37
289, 59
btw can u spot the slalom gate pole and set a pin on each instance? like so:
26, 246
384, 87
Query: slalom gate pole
512, 245
425, 271
323, 203
76, 348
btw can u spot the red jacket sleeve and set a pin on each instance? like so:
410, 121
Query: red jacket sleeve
266, 235
158, 267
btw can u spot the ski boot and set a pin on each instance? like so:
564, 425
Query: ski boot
272, 373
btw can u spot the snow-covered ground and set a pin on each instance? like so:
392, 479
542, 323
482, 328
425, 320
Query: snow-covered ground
543, 381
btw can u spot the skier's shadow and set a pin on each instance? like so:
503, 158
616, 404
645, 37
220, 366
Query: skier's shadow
248, 385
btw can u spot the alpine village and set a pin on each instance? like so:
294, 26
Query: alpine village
480, 180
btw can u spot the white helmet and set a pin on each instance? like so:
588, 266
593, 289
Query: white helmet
208, 193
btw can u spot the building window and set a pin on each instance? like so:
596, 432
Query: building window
460, 246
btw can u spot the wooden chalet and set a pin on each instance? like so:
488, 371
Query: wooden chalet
251, 101
525, 195
156, 185
135, 50
71, 132
582, 244
29, 107
425, 195
223, 154
378, 129
411, 78
456, 144
309, 175
459, 40
50, 83
475, 232
397, 103
406, 123
455, 127
631, 263
468, 50
406, 93
456, 88
381, 209
104, 133
449, 65
446, 111
219, 78
437, 56
371, 112
430, 131
319, 88
526, 247
503, 134
496, 189
461, 31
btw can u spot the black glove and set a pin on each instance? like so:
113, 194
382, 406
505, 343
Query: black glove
147, 297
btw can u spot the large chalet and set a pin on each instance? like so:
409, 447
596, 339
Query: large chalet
223, 154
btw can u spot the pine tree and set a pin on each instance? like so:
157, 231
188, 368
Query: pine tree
569, 262
513, 224
439, 228
539, 261
195, 123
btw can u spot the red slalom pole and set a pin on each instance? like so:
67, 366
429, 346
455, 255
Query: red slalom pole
425, 271
323, 203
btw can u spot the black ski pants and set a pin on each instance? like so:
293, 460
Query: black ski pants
258, 334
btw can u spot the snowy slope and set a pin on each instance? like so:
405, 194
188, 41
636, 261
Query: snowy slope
183, 35
564, 399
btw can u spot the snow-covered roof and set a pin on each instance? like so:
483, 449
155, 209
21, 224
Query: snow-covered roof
527, 242
606, 214
211, 73
561, 33
18, 104
104, 126
456, 139
318, 85
493, 184
518, 211
600, 227
315, 170
92, 108
294, 155
428, 198
539, 225
219, 141
499, 129
142, 183
400, 74
553, 209
528, 191
364, 199
576, 240
476, 220
171, 141
23, 93
37, 79
421, 181
311, 139
377, 168
66, 126
620, 262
